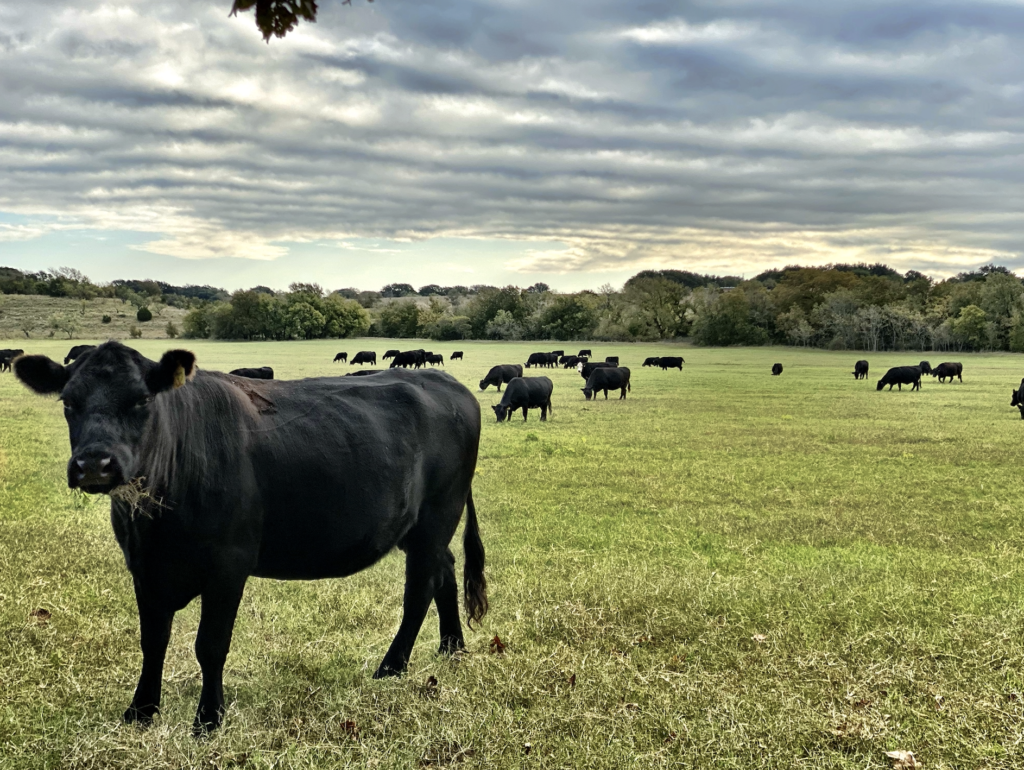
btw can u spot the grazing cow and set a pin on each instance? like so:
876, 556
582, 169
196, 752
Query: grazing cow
607, 378
948, 370
586, 368
456, 356
776, 369
364, 357
501, 373
8, 355
261, 373
614, 360
407, 358
214, 479
582, 359
586, 353
569, 362
860, 370
389, 354
651, 361
343, 357
364, 372
671, 362
75, 352
557, 353
525, 393
541, 359
435, 358
900, 376
1018, 399
926, 368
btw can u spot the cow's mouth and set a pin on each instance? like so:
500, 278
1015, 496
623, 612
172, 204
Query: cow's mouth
102, 488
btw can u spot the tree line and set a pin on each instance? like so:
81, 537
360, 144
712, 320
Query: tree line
854, 307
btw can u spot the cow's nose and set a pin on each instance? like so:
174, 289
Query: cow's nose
94, 471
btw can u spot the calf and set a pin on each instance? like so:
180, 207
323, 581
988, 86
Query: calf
948, 370
364, 357
456, 356
651, 361
525, 393
259, 373
435, 358
500, 374
776, 369
671, 362
860, 370
607, 378
343, 357
900, 376
215, 479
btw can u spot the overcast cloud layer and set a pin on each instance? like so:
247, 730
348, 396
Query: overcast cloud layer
713, 136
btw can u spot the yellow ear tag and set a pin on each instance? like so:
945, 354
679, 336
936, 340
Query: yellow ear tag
179, 376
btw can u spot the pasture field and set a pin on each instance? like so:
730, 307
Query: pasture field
727, 569
24, 311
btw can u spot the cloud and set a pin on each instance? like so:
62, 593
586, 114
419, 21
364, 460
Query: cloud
720, 136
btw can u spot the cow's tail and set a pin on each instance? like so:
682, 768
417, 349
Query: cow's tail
629, 387
474, 582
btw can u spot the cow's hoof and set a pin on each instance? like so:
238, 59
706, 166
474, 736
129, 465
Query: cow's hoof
205, 724
386, 671
140, 716
451, 646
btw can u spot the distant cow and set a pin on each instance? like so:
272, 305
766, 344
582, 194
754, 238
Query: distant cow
75, 352
364, 372
607, 378
541, 359
389, 354
407, 358
586, 353
926, 368
586, 369
364, 357
950, 370
569, 362
612, 360
525, 393
500, 374
258, 373
557, 353
671, 362
900, 376
1018, 399
7, 356
651, 361
343, 357
435, 358
456, 356
860, 370
776, 369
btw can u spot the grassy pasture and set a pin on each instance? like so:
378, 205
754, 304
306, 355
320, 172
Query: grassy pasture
18, 312
728, 569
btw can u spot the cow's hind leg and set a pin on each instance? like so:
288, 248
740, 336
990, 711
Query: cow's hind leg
446, 599
423, 578
216, 622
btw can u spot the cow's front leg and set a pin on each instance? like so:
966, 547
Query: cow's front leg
155, 620
217, 620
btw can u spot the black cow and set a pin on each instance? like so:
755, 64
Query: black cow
1018, 399
569, 362
860, 370
456, 356
586, 353
407, 358
776, 369
75, 352
435, 358
343, 357
585, 369
214, 479
525, 393
364, 372
948, 370
7, 356
651, 361
261, 373
557, 353
671, 362
541, 359
926, 368
364, 357
900, 376
612, 360
389, 354
607, 378
500, 374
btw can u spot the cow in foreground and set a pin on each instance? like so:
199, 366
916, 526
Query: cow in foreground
948, 370
525, 393
776, 370
214, 479
75, 352
501, 374
258, 373
364, 357
343, 357
671, 362
860, 370
607, 378
364, 372
900, 376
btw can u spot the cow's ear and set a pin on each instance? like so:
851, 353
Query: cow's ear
174, 369
41, 374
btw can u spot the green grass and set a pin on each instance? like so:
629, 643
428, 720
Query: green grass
728, 569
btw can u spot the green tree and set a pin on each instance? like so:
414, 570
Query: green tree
568, 317
970, 327
304, 321
399, 319
344, 317
197, 323
144, 315
483, 308
171, 329
727, 322
660, 307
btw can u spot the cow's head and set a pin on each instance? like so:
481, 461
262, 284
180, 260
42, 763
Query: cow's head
502, 412
108, 394
881, 384
588, 392
1016, 399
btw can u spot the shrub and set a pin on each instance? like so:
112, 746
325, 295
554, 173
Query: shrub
106, 319
144, 315
172, 330
134, 332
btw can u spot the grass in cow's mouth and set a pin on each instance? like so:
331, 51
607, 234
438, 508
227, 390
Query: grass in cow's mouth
727, 569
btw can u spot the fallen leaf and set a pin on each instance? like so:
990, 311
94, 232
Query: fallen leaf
670, 737
430, 687
631, 706
759, 638
42, 617
497, 647
642, 639
904, 760
940, 702
572, 680
350, 729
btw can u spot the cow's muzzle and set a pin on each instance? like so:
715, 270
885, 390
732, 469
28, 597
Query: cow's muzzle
95, 472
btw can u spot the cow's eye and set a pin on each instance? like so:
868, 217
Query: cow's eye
143, 402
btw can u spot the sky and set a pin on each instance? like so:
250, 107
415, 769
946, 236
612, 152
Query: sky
509, 141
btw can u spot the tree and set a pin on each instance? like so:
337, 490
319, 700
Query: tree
171, 329
398, 290
304, 321
197, 323
539, 288
568, 317
66, 323
504, 326
660, 305
727, 322
344, 317
969, 328
279, 17
484, 307
399, 319
144, 315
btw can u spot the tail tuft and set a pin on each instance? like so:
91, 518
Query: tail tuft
474, 582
